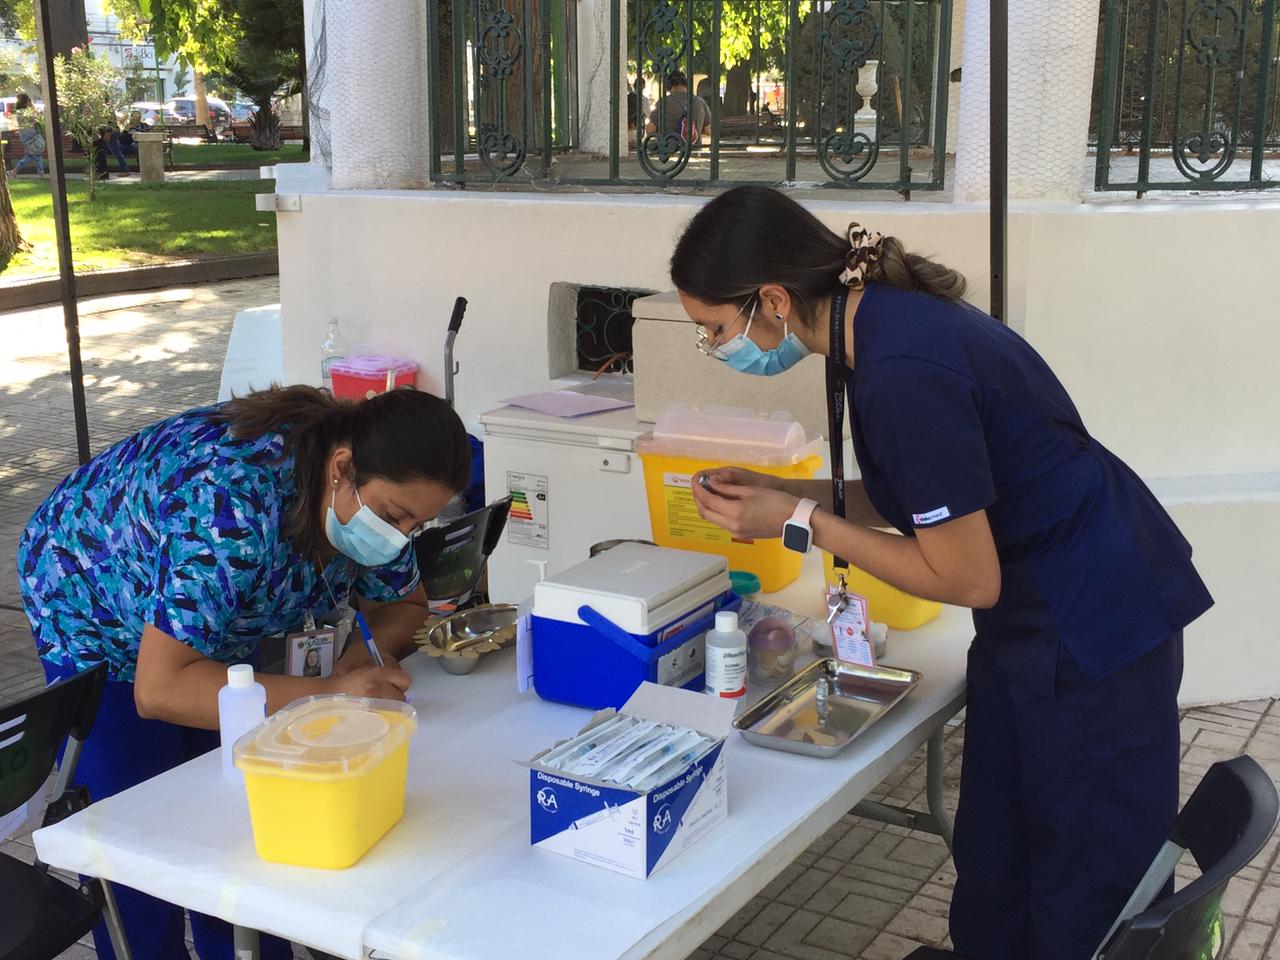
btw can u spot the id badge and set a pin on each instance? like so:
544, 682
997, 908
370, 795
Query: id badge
850, 628
345, 619
311, 652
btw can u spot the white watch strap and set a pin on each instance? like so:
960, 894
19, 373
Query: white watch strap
804, 512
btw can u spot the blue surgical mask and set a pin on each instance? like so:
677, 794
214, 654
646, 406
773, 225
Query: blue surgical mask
366, 538
744, 355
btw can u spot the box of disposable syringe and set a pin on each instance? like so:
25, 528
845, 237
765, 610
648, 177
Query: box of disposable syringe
634, 788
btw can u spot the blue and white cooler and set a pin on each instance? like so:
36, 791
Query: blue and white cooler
631, 614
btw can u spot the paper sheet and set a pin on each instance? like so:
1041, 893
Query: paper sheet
566, 403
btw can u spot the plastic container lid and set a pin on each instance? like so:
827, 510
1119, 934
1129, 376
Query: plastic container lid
728, 435
372, 366
325, 736
240, 675
744, 583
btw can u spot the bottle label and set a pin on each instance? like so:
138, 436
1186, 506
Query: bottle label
726, 672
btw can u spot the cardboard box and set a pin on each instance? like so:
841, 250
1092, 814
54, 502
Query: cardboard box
630, 831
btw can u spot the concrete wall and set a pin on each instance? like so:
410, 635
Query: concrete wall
1160, 328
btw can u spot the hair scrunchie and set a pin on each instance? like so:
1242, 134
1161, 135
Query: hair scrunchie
864, 250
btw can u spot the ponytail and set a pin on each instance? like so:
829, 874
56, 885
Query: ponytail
749, 237
401, 435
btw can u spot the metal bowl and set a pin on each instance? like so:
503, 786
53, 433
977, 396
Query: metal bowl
460, 639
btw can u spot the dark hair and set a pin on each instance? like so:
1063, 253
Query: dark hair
401, 435
676, 78
752, 236
22, 101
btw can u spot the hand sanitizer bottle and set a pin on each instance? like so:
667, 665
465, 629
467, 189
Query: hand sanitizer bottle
333, 348
726, 657
242, 705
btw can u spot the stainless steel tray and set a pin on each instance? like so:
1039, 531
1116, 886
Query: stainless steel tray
822, 709
459, 640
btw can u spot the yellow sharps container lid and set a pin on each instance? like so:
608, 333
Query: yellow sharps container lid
325, 736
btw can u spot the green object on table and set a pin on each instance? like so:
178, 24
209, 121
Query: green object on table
744, 583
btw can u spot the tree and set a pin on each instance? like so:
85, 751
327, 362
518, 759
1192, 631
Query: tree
11, 72
89, 97
256, 45
181, 79
138, 84
266, 62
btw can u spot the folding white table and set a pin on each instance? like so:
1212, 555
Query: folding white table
457, 877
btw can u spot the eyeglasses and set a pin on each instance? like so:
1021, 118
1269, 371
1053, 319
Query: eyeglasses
712, 346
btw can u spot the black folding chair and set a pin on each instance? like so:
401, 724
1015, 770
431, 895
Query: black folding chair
45, 916
1226, 823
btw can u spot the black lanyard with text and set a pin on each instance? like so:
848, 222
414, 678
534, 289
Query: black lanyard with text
835, 412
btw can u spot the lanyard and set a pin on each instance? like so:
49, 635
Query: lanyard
835, 412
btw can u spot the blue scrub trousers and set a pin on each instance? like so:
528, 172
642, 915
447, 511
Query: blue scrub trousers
1068, 789
123, 750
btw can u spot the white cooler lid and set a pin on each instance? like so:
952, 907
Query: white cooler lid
640, 588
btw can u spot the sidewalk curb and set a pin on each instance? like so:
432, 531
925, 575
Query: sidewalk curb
33, 293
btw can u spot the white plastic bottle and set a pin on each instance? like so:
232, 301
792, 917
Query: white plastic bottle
242, 705
726, 657
333, 348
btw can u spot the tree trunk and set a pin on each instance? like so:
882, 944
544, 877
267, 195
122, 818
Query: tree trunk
264, 127
10, 236
202, 102
737, 90
306, 98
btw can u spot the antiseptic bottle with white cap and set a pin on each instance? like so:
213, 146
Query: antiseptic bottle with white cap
726, 657
242, 705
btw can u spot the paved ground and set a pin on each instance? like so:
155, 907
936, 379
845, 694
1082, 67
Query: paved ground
861, 891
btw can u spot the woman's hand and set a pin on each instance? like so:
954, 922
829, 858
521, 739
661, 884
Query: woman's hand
748, 511
720, 477
386, 683
357, 656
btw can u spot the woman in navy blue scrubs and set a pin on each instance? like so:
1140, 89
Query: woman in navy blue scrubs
1079, 581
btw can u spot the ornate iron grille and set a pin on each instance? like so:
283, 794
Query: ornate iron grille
1186, 96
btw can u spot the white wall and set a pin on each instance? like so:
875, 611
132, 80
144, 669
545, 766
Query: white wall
1161, 329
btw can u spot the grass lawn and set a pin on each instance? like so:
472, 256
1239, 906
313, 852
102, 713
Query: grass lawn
140, 223
227, 155
208, 156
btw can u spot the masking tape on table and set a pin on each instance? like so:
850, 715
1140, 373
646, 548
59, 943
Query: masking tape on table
421, 930
94, 853
228, 897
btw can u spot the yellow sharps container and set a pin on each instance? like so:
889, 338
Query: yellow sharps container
885, 604
326, 778
684, 442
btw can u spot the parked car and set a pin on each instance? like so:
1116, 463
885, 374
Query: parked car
149, 112
182, 110
242, 111
8, 112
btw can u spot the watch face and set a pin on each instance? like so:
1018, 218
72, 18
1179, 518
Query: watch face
795, 537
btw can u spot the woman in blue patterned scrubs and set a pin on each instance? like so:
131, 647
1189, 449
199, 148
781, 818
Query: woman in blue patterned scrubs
173, 553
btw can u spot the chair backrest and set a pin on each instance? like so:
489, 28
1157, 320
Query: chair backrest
32, 731
1226, 823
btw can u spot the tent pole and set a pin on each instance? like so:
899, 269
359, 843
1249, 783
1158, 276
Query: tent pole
58, 188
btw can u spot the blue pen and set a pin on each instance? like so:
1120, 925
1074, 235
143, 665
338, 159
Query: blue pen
368, 640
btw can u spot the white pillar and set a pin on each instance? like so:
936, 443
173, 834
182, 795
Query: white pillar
376, 94
973, 126
315, 37
1051, 63
958, 8
594, 65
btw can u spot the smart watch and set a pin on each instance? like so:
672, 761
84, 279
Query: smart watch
797, 534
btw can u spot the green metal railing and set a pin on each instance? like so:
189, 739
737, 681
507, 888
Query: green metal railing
842, 93
1187, 96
